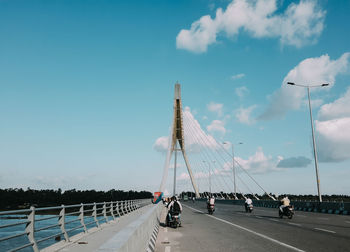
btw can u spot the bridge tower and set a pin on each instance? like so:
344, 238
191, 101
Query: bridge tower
177, 143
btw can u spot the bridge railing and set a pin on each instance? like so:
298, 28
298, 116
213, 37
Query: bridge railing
310, 206
38, 228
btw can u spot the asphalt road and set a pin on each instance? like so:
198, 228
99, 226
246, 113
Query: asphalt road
231, 229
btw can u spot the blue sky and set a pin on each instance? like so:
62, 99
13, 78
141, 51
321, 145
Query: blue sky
87, 89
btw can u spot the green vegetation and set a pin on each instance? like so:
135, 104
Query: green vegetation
14, 198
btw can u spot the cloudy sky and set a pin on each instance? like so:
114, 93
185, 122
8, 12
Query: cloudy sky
86, 89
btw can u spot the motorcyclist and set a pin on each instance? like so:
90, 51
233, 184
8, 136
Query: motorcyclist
285, 202
174, 207
210, 201
247, 202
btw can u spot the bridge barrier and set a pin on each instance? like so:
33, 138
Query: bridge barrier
309, 206
137, 235
30, 225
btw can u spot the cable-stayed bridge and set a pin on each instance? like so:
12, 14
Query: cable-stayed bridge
198, 163
211, 166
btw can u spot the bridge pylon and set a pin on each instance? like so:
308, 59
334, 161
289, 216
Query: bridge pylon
177, 138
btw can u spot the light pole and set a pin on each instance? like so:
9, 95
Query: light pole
233, 170
313, 133
214, 172
209, 177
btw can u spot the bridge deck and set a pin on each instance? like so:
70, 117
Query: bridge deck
231, 229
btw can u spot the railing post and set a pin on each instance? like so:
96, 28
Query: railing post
112, 210
127, 206
105, 212
62, 222
117, 208
122, 207
94, 213
30, 227
81, 217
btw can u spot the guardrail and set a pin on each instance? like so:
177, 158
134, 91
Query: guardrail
309, 206
60, 221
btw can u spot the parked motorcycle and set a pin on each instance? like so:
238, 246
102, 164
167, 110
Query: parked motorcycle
287, 211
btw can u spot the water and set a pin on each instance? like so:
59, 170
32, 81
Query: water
19, 241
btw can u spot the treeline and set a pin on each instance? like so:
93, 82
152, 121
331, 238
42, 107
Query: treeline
14, 198
293, 197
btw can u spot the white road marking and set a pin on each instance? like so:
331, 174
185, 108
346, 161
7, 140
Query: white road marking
259, 217
321, 218
325, 230
167, 249
295, 224
299, 215
251, 231
165, 230
273, 219
347, 222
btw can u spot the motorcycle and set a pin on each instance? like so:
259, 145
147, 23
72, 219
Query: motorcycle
174, 220
211, 208
249, 208
287, 211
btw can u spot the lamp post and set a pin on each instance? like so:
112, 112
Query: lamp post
233, 169
209, 177
313, 133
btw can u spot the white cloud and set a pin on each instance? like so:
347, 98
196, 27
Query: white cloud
300, 24
259, 162
338, 109
243, 115
237, 76
161, 144
217, 126
311, 71
294, 162
215, 107
195, 137
333, 139
197, 175
333, 134
241, 91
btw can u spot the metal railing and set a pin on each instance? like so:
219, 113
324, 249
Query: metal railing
45, 226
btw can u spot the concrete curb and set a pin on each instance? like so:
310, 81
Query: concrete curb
137, 235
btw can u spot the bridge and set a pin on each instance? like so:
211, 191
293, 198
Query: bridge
139, 225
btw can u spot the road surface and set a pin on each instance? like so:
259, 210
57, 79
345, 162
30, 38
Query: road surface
231, 229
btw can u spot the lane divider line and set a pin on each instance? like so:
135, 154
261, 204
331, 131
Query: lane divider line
325, 230
295, 224
167, 249
250, 231
347, 222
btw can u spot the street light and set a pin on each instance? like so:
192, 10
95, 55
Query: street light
313, 134
209, 177
233, 169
